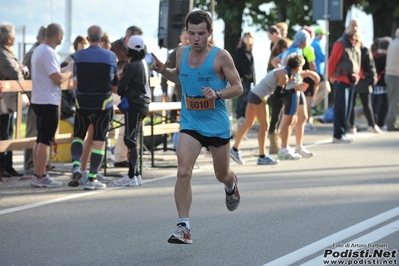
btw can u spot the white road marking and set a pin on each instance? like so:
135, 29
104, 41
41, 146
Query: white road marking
335, 238
371, 237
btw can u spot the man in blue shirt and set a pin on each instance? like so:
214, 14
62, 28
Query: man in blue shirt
320, 53
97, 74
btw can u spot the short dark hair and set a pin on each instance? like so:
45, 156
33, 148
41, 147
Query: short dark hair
384, 42
197, 17
134, 29
53, 30
78, 40
273, 29
294, 60
136, 55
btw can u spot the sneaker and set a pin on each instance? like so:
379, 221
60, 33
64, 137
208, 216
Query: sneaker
103, 179
139, 180
236, 156
309, 127
288, 154
352, 130
44, 182
93, 185
374, 129
343, 139
126, 181
267, 160
182, 235
233, 198
76, 175
83, 179
304, 152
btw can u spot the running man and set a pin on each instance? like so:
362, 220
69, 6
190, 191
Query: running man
203, 70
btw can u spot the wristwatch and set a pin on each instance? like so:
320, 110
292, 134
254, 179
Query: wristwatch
218, 94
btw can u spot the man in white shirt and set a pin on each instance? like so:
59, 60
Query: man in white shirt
46, 94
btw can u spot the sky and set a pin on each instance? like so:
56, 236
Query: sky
116, 16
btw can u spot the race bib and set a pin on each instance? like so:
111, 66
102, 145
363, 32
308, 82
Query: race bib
200, 104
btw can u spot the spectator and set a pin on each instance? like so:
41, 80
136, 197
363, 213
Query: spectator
97, 73
276, 104
176, 96
10, 69
320, 53
79, 43
380, 100
119, 47
46, 95
364, 88
31, 130
343, 72
392, 82
244, 62
294, 105
273, 33
132, 87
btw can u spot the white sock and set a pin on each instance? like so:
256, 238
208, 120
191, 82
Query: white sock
299, 147
230, 190
186, 221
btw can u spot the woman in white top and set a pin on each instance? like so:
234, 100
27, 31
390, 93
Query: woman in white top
276, 81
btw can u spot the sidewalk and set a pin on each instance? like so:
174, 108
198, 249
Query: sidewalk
165, 161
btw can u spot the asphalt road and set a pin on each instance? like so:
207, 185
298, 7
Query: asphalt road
338, 202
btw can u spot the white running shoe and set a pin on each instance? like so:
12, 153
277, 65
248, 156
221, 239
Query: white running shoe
236, 156
46, 181
139, 180
304, 152
126, 181
93, 185
288, 154
102, 178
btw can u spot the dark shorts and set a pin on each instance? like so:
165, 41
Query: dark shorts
310, 90
290, 103
253, 98
100, 120
206, 141
302, 98
46, 123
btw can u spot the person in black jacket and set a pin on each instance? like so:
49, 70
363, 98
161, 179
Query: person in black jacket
364, 88
132, 87
380, 99
244, 62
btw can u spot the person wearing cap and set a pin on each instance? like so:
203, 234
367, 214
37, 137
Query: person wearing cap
294, 104
31, 130
343, 71
320, 66
392, 82
97, 75
132, 87
380, 99
204, 72
120, 48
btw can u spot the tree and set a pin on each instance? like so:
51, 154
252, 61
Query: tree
385, 16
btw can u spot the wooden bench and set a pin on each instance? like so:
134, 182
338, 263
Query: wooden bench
19, 143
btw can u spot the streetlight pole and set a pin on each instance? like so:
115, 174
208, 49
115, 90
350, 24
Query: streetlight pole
67, 44
212, 15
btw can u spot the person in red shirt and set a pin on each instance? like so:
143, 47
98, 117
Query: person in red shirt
343, 72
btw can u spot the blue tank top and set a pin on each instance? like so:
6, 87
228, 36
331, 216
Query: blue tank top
210, 123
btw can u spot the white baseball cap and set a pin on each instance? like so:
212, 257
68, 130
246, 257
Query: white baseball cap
136, 43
